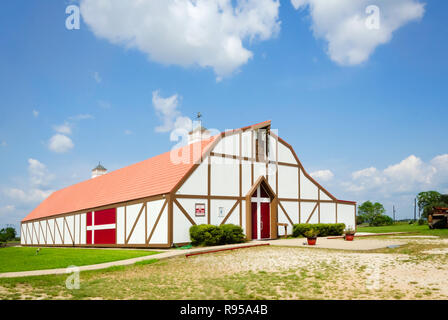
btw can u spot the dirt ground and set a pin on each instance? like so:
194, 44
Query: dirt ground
415, 270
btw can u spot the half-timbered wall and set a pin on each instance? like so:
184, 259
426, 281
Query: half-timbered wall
136, 225
223, 179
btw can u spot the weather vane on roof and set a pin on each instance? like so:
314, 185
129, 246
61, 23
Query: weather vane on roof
198, 118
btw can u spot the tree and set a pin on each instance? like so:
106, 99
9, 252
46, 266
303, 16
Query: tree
429, 199
7, 234
369, 212
382, 220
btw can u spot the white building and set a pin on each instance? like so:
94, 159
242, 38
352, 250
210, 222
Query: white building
248, 177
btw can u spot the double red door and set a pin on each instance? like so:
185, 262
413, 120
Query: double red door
101, 227
265, 222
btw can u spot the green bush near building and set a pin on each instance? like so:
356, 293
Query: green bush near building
324, 229
210, 235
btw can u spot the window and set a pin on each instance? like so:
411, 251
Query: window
262, 144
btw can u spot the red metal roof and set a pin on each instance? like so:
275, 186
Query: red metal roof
154, 176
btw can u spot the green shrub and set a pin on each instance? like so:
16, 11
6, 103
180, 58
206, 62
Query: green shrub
421, 222
210, 235
382, 220
324, 229
205, 234
232, 234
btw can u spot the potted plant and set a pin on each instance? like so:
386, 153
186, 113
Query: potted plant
311, 236
349, 234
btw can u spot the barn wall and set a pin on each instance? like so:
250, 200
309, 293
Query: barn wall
120, 225
246, 144
230, 145
59, 226
224, 176
143, 220
232, 164
71, 229
64, 231
51, 232
159, 231
285, 155
308, 190
327, 213
226, 206
83, 227
134, 224
181, 225
197, 182
246, 177
346, 214
288, 186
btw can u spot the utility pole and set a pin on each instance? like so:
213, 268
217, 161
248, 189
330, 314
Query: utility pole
415, 209
393, 212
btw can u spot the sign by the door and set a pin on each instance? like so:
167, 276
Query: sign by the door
200, 210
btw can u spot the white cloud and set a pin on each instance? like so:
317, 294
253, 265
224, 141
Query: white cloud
410, 175
166, 109
36, 190
128, 132
369, 172
60, 143
207, 33
322, 175
97, 77
3, 144
65, 128
342, 24
440, 162
33, 195
35, 113
409, 172
39, 175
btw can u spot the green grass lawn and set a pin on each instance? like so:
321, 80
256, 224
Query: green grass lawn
405, 227
25, 259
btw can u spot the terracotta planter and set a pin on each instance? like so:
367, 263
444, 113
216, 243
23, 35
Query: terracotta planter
311, 241
349, 237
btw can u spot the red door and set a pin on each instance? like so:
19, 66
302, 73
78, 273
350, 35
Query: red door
265, 221
101, 227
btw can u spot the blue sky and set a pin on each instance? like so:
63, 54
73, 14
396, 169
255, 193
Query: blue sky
368, 126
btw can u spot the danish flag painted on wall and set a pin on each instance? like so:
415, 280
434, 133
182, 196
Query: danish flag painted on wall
101, 227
